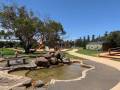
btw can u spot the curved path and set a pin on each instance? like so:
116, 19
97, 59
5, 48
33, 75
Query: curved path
103, 77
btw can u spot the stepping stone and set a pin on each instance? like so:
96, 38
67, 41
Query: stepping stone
19, 88
39, 83
40, 89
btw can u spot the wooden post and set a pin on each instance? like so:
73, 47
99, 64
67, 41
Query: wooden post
8, 63
24, 61
109, 50
2, 52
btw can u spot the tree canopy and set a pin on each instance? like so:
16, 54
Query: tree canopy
113, 38
28, 28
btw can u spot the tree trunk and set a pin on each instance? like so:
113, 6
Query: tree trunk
27, 49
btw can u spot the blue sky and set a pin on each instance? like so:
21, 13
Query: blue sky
79, 17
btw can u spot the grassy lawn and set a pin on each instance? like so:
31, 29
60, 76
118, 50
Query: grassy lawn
7, 52
71, 56
88, 52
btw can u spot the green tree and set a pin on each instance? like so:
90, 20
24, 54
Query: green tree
93, 38
88, 38
113, 38
51, 32
22, 23
28, 28
84, 42
2, 33
78, 42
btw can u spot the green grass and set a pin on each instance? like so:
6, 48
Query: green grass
71, 56
7, 51
88, 52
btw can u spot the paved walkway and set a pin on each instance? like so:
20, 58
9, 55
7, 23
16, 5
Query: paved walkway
105, 61
103, 77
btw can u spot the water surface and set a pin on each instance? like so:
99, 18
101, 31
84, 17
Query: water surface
62, 72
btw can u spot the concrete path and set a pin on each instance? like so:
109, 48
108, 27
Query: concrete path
103, 77
105, 61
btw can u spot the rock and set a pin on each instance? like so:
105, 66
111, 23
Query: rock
32, 50
48, 55
39, 83
53, 61
42, 62
66, 61
28, 82
19, 88
33, 65
40, 88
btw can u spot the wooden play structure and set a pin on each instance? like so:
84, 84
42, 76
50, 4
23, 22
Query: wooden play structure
114, 51
41, 43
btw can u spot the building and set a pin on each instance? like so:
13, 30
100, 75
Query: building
98, 46
8, 39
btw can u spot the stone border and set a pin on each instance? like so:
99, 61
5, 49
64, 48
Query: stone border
84, 74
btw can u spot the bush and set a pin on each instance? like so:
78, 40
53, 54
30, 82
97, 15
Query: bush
9, 44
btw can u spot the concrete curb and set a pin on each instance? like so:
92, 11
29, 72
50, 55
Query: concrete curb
84, 74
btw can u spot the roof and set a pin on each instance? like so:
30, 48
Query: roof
9, 40
94, 43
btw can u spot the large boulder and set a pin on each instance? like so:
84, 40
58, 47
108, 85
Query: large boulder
28, 82
49, 55
53, 61
39, 83
19, 88
66, 61
42, 62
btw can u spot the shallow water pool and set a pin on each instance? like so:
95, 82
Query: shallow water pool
64, 72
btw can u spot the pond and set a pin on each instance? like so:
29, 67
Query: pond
64, 72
